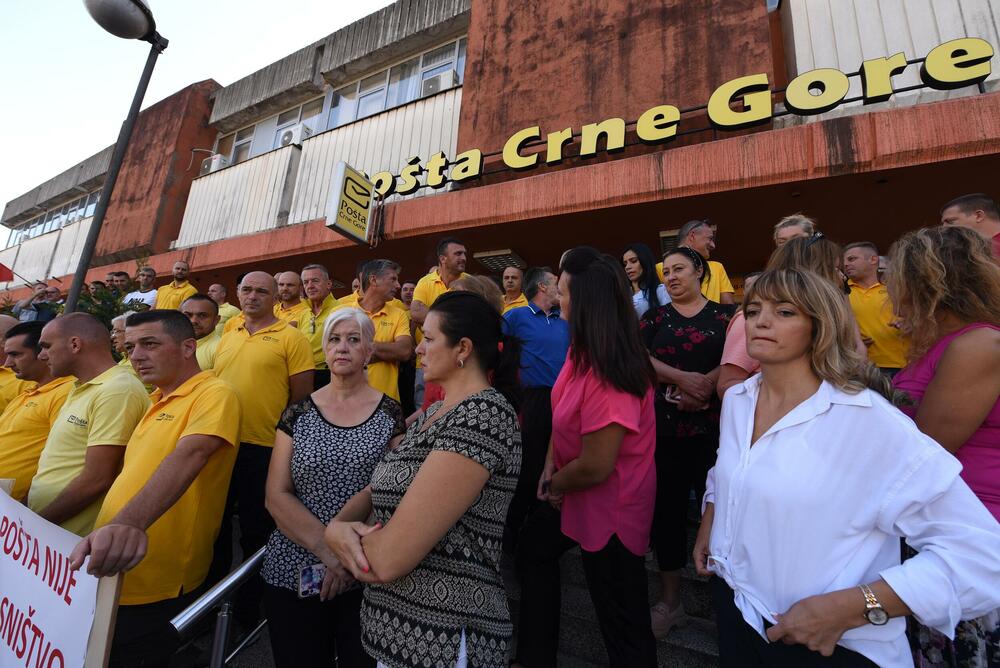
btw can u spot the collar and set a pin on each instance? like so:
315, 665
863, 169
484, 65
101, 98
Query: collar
186, 388
519, 298
299, 304
852, 284
535, 310
51, 385
208, 338
176, 285
329, 302
273, 327
820, 402
104, 376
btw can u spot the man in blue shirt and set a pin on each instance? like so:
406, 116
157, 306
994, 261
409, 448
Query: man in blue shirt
544, 341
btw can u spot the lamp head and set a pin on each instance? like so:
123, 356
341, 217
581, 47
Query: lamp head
128, 19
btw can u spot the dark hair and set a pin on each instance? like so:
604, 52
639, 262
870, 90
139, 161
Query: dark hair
649, 282
319, 267
696, 259
32, 331
603, 329
175, 324
975, 202
442, 245
376, 269
689, 227
534, 278
100, 283
862, 244
201, 297
467, 315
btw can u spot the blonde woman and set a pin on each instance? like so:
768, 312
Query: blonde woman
946, 287
817, 478
325, 451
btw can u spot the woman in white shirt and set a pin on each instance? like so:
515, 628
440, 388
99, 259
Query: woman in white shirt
648, 292
817, 478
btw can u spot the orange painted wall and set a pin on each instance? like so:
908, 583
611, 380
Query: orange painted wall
147, 206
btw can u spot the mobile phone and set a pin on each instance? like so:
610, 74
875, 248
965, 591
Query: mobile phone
311, 580
545, 486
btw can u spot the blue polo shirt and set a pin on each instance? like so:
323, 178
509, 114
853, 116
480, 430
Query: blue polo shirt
544, 342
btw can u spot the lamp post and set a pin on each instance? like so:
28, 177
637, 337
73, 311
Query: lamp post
128, 19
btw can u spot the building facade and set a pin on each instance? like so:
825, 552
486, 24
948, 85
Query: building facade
566, 112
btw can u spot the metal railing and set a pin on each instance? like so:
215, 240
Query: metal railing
218, 596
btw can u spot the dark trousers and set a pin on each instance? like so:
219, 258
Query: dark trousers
143, 636
407, 376
617, 582
740, 646
536, 429
309, 632
682, 464
321, 378
245, 500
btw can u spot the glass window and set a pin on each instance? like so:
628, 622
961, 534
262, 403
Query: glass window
92, 204
434, 71
311, 111
244, 134
241, 152
460, 66
404, 83
225, 146
443, 54
288, 117
372, 103
344, 107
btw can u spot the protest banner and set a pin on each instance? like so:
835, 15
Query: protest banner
47, 610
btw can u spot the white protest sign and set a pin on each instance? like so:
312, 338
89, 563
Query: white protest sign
46, 609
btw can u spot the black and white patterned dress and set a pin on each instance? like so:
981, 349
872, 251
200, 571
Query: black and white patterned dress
330, 464
418, 619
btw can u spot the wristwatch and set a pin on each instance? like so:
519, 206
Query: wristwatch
874, 612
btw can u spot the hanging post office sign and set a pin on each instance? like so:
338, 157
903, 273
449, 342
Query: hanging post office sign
350, 204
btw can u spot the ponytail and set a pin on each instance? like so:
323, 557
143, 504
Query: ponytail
506, 369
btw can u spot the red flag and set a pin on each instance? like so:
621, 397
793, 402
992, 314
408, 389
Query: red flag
6, 274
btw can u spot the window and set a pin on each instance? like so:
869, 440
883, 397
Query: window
92, 204
311, 112
288, 117
396, 86
241, 147
225, 145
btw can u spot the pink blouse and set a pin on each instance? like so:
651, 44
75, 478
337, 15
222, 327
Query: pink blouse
980, 455
623, 503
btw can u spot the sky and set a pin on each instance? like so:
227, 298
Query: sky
67, 85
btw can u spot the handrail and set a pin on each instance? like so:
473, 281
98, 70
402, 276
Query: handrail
217, 594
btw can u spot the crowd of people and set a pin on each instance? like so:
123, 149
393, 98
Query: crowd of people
837, 420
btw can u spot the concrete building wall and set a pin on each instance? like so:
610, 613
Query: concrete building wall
78, 179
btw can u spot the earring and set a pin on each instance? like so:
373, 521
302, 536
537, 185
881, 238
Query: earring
461, 364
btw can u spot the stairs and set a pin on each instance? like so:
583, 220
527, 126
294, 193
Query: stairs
580, 642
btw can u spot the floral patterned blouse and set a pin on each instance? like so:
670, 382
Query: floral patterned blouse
689, 344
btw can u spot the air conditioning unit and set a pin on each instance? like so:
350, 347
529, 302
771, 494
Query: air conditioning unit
213, 164
294, 135
438, 83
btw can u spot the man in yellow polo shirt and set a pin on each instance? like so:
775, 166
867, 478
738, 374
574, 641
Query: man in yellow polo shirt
290, 306
393, 342
887, 347
317, 284
513, 295
698, 235
10, 385
160, 518
219, 294
85, 447
203, 313
173, 293
270, 365
25, 423
452, 256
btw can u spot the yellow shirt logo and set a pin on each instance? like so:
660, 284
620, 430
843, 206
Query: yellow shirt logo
79, 422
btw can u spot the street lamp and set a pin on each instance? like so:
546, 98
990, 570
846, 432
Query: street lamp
128, 19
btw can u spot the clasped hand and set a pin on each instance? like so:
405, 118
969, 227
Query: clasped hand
344, 540
818, 622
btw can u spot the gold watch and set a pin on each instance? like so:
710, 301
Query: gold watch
874, 612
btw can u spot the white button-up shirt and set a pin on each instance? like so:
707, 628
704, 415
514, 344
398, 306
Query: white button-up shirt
819, 502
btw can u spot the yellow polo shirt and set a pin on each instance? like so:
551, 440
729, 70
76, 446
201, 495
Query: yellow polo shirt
292, 314
390, 324
873, 311
226, 313
716, 284
173, 294
429, 288
258, 367
102, 411
180, 541
207, 347
311, 324
520, 301
233, 323
24, 426
11, 386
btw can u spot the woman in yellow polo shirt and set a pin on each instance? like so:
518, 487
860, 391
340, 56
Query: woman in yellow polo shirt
325, 450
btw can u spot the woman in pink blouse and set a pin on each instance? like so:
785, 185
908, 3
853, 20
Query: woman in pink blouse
599, 478
945, 287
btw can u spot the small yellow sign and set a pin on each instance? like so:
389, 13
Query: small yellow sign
349, 206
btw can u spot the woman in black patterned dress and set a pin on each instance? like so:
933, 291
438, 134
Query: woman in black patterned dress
432, 559
325, 450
